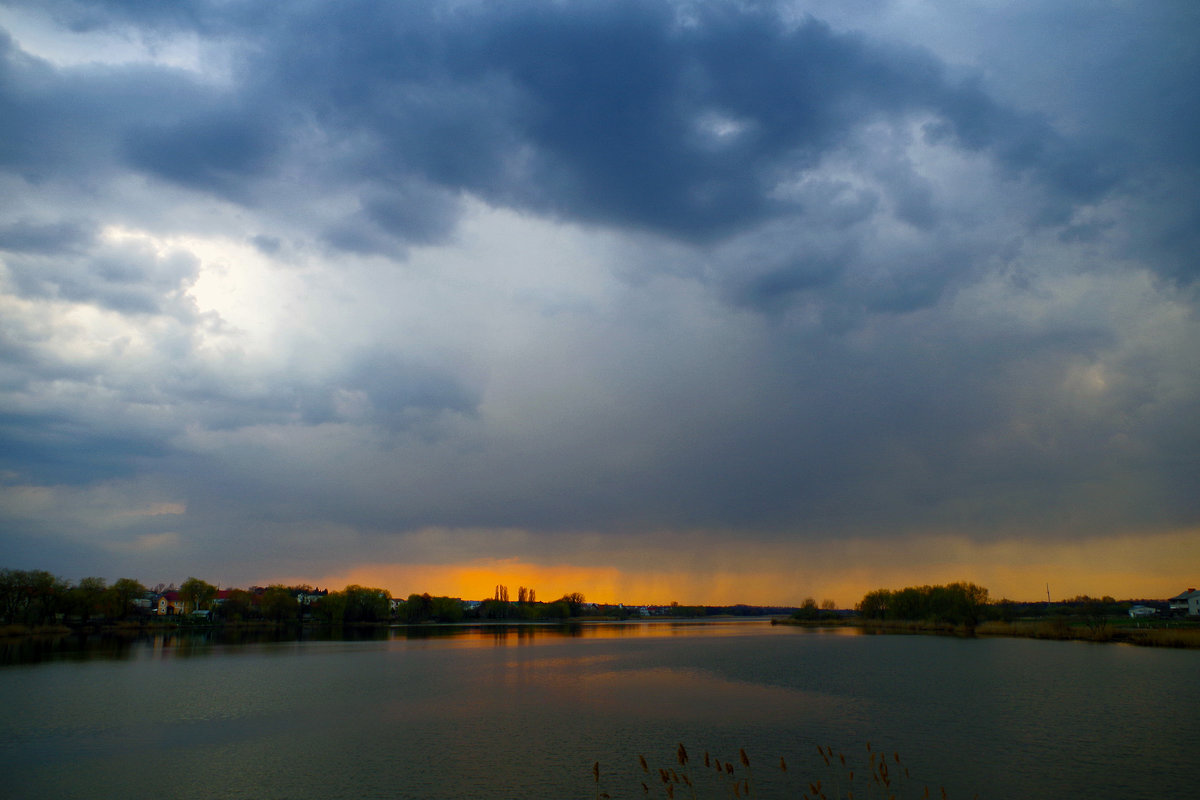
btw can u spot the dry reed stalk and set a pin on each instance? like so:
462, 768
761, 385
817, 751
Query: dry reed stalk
600, 795
746, 763
888, 778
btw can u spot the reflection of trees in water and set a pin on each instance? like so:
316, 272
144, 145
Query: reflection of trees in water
192, 641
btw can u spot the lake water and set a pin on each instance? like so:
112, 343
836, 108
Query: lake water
524, 712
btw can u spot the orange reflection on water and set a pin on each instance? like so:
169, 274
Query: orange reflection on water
516, 634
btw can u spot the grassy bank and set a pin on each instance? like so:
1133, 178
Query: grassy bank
1185, 634
19, 631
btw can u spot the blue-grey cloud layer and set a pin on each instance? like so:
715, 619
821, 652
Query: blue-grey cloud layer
916, 293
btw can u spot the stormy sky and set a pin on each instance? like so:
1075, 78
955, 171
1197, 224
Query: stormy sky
697, 301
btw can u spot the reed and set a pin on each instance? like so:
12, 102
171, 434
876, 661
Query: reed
16, 631
873, 775
1161, 637
1060, 630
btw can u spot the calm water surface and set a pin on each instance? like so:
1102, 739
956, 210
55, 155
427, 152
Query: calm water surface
523, 712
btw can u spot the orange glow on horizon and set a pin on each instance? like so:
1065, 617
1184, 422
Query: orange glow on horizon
784, 574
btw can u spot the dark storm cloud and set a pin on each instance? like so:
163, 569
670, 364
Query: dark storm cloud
390, 218
617, 113
56, 123
53, 238
59, 448
217, 152
135, 430
604, 266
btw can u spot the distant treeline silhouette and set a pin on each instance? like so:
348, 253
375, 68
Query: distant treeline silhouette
38, 597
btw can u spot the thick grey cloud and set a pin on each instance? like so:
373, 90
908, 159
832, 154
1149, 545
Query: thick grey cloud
787, 271
609, 112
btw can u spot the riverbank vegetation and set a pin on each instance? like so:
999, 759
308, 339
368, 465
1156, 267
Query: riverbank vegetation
964, 609
35, 602
38, 603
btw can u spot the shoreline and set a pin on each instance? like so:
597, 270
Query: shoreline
184, 625
1185, 635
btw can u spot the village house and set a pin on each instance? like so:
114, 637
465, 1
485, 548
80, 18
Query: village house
1187, 602
172, 602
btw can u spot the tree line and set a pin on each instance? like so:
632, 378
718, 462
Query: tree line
967, 604
37, 597
955, 603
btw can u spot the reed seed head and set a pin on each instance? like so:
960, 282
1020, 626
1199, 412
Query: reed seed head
745, 758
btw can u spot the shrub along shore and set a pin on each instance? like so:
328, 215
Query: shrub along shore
963, 609
1151, 634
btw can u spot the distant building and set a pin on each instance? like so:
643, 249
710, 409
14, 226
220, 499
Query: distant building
1142, 611
171, 603
1185, 603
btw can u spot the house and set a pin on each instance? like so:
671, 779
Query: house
172, 603
146, 604
1185, 603
308, 598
